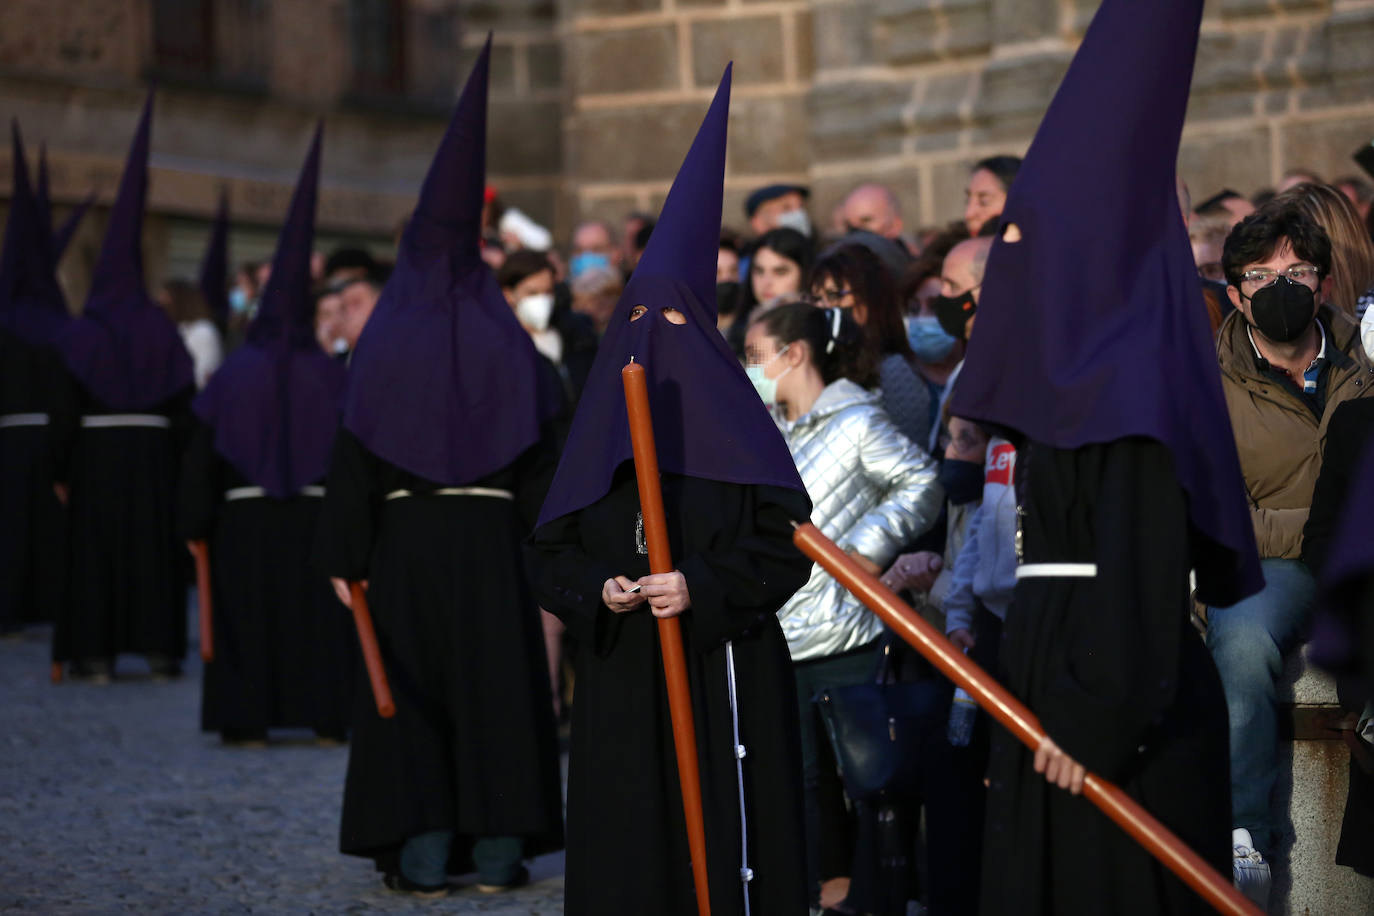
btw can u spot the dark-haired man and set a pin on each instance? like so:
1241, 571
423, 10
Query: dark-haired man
1286, 365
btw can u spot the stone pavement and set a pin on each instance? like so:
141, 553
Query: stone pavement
113, 801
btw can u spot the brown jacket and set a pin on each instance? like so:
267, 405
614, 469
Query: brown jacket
1280, 439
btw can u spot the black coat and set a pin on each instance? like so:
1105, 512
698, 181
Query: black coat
285, 648
627, 843
33, 549
1120, 680
472, 747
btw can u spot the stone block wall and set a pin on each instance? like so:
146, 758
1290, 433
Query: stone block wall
74, 73
594, 102
912, 92
641, 75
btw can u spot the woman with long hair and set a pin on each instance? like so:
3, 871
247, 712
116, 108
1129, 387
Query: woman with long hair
1352, 252
851, 277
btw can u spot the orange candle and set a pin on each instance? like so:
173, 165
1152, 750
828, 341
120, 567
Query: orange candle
669, 629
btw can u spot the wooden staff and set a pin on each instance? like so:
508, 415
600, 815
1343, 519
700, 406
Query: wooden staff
372, 655
201, 551
669, 628
1020, 721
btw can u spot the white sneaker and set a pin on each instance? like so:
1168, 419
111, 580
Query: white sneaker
1249, 871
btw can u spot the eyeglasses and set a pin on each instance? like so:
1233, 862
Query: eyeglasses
833, 297
1263, 276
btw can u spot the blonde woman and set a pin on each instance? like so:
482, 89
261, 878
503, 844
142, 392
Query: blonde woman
1352, 252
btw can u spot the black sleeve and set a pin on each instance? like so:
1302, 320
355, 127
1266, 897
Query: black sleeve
1345, 439
1122, 666
534, 472
200, 488
567, 583
64, 421
733, 587
344, 533
183, 420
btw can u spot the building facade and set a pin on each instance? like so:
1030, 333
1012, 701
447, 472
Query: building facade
594, 102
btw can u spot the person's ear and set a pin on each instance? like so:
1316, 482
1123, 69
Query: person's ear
1234, 295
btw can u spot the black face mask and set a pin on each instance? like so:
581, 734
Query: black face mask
954, 312
962, 480
1283, 310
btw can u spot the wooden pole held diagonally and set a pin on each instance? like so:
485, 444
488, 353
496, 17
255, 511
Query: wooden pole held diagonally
669, 629
1157, 839
372, 655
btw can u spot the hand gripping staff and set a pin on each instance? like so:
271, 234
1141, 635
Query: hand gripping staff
670, 628
372, 656
200, 550
1157, 839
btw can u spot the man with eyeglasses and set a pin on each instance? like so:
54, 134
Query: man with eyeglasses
1287, 361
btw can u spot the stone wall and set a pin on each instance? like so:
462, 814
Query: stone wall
911, 92
74, 73
641, 74
594, 102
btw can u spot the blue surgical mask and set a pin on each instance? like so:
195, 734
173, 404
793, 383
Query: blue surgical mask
238, 299
765, 386
928, 340
796, 219
585, 261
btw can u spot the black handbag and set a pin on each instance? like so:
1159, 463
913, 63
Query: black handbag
877, 729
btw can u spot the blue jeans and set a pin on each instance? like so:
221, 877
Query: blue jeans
1248, 642
829, 829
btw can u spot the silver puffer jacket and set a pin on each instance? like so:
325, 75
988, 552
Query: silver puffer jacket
873, 491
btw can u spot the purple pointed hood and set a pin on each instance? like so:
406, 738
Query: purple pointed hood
62, 237
32, 306
42, 190
1347, 580
444, 382
123, 349
214, 267
708, 421
1090, 328
274, 405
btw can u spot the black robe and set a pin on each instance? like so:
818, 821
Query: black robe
126, 589
33, 545
1120, 680
473, 746
285, 648
627, 843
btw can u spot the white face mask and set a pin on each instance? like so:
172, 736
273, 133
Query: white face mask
534, 311
797, 219
765, 386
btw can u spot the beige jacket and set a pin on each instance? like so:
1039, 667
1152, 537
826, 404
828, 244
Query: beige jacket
1280, 439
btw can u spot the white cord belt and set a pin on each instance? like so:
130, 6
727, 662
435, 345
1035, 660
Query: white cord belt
456, 491
237, 493
746, 874
107, 420
1056, 571
23, 419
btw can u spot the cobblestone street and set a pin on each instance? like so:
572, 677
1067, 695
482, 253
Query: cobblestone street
112, 801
